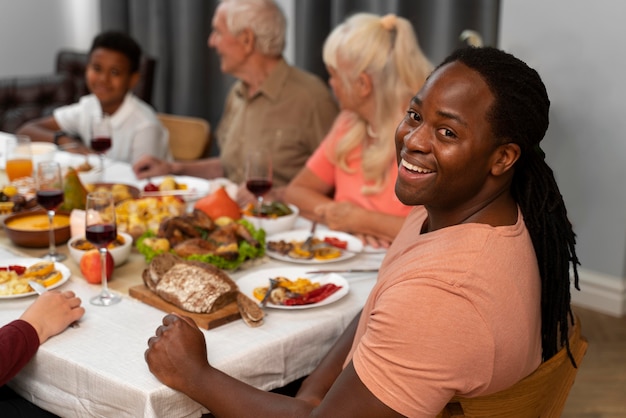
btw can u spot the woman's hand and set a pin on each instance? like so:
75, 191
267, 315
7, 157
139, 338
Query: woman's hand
52, 312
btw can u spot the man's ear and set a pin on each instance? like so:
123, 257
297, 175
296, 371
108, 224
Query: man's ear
134, 79
247, 39
504, 157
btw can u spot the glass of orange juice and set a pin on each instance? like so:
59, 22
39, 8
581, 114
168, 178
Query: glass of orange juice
19, 162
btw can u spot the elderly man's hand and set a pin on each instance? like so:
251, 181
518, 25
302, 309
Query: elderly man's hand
149, 166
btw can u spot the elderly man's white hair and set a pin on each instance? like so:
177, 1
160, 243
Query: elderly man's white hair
264, 17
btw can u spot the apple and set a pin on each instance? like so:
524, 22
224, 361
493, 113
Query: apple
91, 267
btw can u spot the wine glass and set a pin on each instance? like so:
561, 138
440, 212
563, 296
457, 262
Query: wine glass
259, 175
101, 230
50, 195
101, 133
19, 162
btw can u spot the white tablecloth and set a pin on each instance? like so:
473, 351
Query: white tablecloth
98, 369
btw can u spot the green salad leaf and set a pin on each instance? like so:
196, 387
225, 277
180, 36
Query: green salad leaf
246, 251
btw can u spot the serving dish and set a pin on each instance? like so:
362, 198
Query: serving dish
354, 245
36, 235
120, 253
275, 225
260, 278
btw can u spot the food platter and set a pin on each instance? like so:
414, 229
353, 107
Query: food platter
354, 245
249, 282
65, 272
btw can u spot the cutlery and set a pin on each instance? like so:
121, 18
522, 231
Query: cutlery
272, 286
306, 245
41, 289
372, 270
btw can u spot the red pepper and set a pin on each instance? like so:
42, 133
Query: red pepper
314, 296
18, 269
336, 242
150, 187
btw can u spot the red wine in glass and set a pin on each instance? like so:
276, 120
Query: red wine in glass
101, 235
259, 187
50, 199
100, 144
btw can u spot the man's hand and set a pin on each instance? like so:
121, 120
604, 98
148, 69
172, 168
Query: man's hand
177, 352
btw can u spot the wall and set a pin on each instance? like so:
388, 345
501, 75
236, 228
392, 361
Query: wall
32, 31
578, 48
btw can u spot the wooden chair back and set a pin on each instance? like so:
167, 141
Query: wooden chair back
541, 394
189, 136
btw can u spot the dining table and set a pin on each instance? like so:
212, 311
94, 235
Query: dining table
98, 368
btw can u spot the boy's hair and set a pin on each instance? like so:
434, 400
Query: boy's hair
519, 114
119, 42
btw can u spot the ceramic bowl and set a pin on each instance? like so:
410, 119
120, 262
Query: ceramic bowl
120, 253
275, 225
30, 229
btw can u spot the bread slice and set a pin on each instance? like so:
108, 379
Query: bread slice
250, 311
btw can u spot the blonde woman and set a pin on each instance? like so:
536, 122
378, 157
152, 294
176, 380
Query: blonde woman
375, 66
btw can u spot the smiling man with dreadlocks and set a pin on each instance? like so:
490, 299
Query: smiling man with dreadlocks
473, 293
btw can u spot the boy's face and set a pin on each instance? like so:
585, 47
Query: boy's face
109, 77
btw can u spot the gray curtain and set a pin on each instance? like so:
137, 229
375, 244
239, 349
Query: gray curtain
438, 24
188, 79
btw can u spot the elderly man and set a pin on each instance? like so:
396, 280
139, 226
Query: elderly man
272, 105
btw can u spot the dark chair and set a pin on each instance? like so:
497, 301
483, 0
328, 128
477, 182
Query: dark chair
74, 63
26, 98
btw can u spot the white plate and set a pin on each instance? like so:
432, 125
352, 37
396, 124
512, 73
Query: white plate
65, 272
259, 278
354, 245
194, 184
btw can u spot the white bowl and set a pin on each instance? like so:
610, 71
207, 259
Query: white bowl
275, 225
120, 254
42, 151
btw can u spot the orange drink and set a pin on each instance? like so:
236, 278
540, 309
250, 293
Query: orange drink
19, 167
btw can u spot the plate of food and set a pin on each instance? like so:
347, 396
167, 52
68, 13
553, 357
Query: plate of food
187, 185
292, 288
16, 272
327, 247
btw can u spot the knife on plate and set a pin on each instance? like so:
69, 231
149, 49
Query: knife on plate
39, 288
372, 270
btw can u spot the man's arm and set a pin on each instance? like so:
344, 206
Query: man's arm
177, 357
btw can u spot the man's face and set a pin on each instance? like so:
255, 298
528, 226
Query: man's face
444, 144
229, 47
109, 77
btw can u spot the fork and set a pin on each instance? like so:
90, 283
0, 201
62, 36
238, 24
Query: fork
272, 286
306, 245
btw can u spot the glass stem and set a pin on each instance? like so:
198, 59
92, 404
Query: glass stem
52, 249
103, 262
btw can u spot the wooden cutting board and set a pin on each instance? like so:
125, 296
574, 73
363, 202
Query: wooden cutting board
225, 315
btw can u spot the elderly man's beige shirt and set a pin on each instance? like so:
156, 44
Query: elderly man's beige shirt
289, 115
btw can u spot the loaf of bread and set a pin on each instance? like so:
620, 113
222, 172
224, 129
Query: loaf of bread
190, 285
